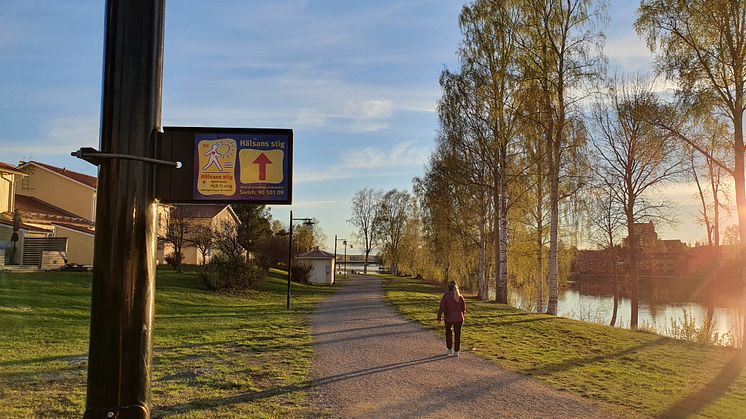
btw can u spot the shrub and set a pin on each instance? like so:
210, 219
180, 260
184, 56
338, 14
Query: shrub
173, 260
229, 273
301, 273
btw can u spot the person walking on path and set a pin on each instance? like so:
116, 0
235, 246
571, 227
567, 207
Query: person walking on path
453, 306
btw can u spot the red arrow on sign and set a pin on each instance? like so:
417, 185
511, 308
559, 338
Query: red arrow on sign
262, 161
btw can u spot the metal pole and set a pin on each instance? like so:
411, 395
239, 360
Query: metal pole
290, 256
119, 360
334, 275
345, 245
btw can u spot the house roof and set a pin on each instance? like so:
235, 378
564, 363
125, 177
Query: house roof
5, 222
7, 168
201, 210
29, 204
315, 254
32, 207
90, 181
75, 227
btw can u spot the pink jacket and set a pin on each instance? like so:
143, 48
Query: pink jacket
454, 311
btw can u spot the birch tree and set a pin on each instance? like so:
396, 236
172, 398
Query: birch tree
365, 205
560, 47
488, 54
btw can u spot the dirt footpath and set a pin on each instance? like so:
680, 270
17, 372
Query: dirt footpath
371, 362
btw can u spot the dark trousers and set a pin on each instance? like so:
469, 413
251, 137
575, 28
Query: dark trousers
456, 332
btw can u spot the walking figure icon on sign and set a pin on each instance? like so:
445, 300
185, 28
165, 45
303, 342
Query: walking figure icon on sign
213, 155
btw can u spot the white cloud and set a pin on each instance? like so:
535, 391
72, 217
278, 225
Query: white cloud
59, 136
363, 163
406, 154
369, 109
301, 99
629, 53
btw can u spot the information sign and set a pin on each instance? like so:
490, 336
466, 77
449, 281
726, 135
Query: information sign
229, 165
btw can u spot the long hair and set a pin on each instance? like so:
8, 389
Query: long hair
452, 286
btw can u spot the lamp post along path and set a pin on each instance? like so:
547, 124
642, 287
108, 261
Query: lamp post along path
344, 243
308, 223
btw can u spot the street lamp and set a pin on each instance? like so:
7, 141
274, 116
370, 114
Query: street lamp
344, 242
308, 223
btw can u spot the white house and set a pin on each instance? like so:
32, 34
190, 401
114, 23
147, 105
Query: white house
322, 266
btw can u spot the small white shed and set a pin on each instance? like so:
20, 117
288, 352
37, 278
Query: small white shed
322, 266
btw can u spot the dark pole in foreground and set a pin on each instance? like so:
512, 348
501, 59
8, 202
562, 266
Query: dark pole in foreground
290, 256
119, 360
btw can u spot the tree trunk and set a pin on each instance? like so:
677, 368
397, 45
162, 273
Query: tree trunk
632, 266
540, 265
553, 227
503, 256
616, 304
365, 263
702, 195
740, 204
482, 286
615, 275
499, 297
539, 227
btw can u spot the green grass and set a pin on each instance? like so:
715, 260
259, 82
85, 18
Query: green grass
215, 355
637, 374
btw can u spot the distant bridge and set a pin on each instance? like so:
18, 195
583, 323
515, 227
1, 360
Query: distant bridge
357, 259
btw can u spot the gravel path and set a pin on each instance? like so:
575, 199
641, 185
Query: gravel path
371, 362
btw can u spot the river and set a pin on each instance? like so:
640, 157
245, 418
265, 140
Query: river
666, 305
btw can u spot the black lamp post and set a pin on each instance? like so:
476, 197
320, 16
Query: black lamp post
344, 241
309, 224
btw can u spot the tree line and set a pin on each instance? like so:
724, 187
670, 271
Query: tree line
539, 150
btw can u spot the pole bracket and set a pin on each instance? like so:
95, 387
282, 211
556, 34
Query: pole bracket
95, 157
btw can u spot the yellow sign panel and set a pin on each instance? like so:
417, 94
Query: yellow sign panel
261, 166
217, 160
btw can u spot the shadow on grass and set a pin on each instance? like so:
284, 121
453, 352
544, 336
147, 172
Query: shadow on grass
206, 404
708, 394
573, 363
478, 323
24, 362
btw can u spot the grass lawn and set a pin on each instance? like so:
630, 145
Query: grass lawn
638, 374
215, 355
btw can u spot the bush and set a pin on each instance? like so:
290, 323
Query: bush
173, 261
301, 273
229, 273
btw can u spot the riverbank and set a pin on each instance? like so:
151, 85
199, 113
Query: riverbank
215, 355
640, 374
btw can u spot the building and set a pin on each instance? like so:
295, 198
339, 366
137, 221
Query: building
61, 202
57, 209
322, 266
63, 188
654, 256
14, 232
188, 219
8, 176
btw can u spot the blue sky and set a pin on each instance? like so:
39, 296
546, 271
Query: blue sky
356, 80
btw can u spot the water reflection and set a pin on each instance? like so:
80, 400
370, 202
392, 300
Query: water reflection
665, 304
